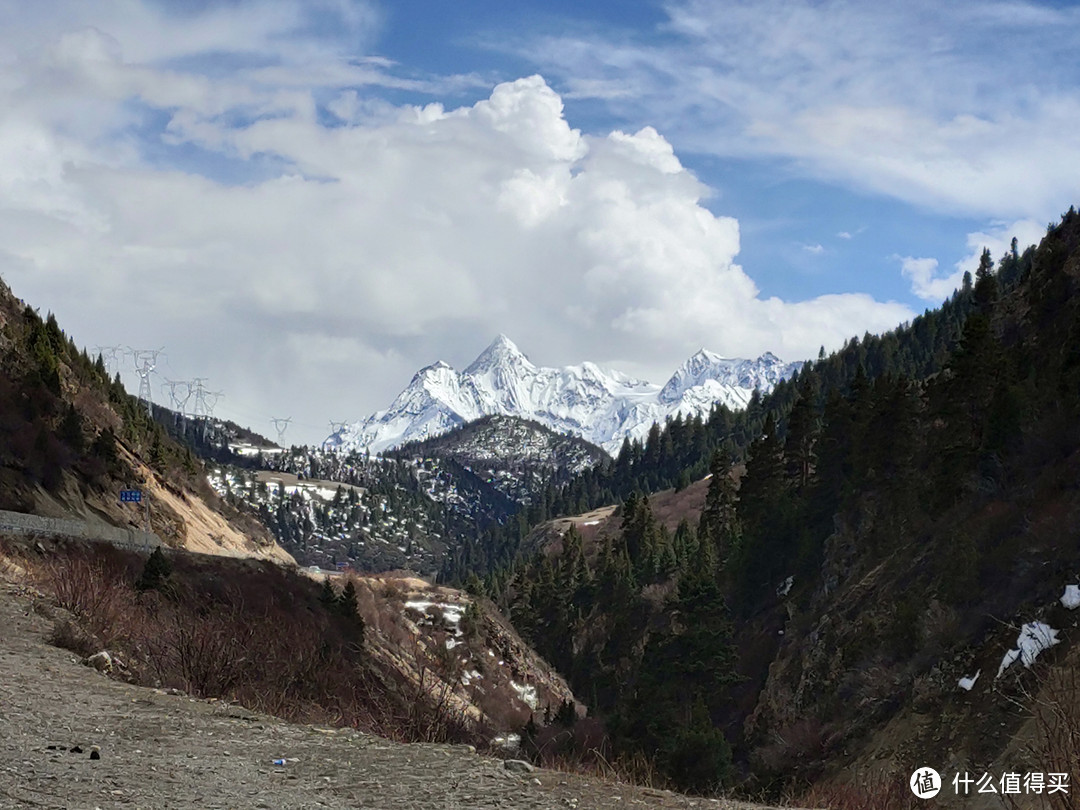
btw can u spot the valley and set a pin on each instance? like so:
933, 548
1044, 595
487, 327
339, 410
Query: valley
867, 567
540, 405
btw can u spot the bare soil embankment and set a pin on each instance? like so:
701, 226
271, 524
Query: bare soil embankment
160, 750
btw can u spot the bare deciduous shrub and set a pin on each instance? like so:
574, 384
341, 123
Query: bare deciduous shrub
91, 589
1054, 703
254, 634
799, 742
876, 791
203, 655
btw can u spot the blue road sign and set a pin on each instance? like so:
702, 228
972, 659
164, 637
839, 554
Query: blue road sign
130, 496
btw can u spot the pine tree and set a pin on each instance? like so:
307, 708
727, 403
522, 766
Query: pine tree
155, 573
986, 286
766, 514
348, 603
802, 434
719, 528
327, 595
70, 431
683, 678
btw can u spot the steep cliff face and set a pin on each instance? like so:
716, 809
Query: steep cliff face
899, 656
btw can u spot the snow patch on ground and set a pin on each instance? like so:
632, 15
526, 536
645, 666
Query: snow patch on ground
967, 683
451, 613
1007, 661
527, 693
1071, 598
1034, 638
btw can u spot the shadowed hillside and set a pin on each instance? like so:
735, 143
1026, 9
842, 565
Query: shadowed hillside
887, 524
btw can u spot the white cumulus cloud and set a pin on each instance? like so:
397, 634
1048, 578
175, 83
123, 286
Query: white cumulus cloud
307, 251
928, 284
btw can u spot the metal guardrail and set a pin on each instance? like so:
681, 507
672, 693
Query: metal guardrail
23, 523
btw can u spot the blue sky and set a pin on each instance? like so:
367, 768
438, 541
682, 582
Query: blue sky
307, 201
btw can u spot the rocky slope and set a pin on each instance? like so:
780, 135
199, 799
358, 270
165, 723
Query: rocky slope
71, 439
171, 750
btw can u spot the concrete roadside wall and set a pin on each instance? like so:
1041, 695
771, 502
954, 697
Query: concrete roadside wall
22, 523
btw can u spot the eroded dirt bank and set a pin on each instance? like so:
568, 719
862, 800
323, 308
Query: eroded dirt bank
159, 750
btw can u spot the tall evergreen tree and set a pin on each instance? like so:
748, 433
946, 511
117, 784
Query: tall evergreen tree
719, 529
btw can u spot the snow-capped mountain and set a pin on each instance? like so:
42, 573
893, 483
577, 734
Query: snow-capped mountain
601, 406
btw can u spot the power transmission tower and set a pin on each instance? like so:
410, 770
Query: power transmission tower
335, 428
205, 402
110, 356
213, 397
145, 363
196, 387
178, 402
281, 425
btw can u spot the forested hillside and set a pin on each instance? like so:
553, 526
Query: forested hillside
875, 529
415, 507
684, 450
71, 439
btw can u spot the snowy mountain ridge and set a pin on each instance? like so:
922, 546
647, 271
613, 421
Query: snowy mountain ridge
601, 406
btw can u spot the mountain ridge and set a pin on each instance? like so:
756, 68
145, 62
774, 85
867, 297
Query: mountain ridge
602, 406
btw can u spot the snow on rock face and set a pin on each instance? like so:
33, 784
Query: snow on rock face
709, 371
601, 406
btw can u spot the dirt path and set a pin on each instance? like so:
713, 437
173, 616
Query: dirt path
169, 751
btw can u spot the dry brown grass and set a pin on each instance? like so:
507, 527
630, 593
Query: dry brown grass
875, 791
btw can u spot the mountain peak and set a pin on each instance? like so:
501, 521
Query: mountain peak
703, 357
598, 405
500, 352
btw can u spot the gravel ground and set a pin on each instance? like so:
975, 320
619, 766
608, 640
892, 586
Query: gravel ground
160, 750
